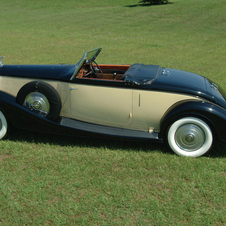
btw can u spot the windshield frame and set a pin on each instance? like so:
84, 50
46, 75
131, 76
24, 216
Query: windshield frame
88, 57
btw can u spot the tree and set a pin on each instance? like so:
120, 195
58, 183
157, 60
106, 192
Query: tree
155, 2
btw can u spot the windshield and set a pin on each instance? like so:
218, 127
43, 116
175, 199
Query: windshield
88, 57
91, 55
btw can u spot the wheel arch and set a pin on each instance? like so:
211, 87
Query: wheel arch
213, 115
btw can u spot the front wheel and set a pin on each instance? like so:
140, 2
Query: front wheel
3, 126
190, 136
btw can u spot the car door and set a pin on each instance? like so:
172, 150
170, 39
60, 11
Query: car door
101, 104
150, 106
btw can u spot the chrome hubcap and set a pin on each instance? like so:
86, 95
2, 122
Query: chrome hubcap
36, 105
38, 102
190, 137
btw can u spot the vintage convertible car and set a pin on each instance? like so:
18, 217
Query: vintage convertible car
129, 102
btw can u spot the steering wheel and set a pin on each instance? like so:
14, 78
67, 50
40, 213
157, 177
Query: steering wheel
94, 69
94, 72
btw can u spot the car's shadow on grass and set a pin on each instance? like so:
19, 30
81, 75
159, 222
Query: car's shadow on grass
38, 138
218, 149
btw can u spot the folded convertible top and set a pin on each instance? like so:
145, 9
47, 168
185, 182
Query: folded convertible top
141, 74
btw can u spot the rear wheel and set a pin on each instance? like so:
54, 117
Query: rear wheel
190, 136
3, 126
41, 98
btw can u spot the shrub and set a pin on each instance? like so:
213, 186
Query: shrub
155, 2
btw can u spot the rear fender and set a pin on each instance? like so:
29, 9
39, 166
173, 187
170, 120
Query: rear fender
211, 113
19, 116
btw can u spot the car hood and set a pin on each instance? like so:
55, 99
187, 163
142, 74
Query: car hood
52, 72
155, 77
182, 82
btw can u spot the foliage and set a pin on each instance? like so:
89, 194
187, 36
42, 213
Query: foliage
155, 2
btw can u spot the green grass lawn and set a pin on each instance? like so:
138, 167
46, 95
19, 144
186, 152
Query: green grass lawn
57, 180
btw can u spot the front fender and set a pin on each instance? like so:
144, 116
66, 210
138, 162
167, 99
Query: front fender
211, 113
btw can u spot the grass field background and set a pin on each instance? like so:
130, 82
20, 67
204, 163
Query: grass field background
46, 179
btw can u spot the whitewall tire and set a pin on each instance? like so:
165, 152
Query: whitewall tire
190, 136
3, 126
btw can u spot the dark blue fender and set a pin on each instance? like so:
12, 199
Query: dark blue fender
211, 113
22, 118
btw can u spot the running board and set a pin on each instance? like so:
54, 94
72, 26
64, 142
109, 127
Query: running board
109, 131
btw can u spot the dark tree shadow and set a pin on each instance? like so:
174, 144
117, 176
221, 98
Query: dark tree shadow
132, 6
145, 5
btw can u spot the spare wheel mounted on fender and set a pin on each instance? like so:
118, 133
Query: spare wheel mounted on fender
41, 98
